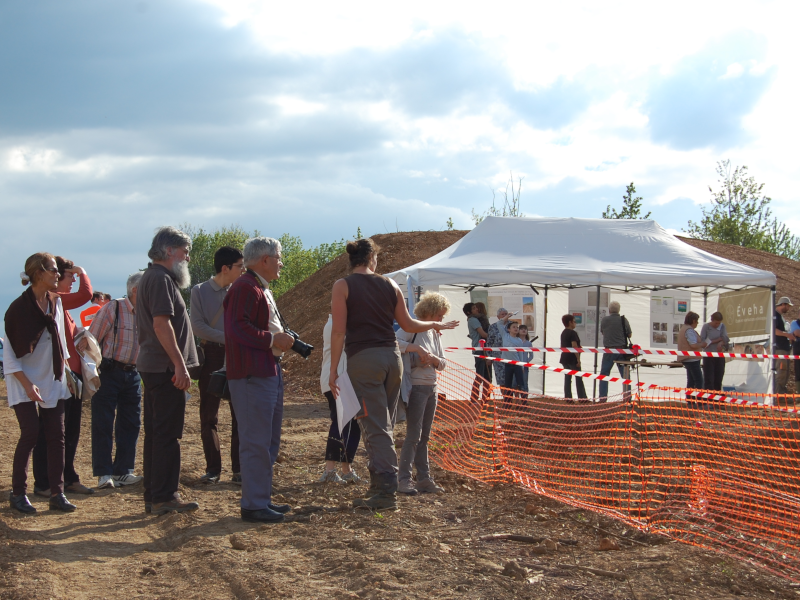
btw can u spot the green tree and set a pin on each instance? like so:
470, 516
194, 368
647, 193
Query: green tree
510, 207
740, 215
631, 207
298, 262
205, 244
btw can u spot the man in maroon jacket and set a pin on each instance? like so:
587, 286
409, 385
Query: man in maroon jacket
254, 344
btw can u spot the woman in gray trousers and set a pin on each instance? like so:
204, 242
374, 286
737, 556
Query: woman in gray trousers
364, 307
422, 395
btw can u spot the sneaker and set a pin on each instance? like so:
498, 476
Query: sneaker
236, 479
210, 478
429, 486
177, 506
406, 486
127, 479
106, 481
329, 477
351, 477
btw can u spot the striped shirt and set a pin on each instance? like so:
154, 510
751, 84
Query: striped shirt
126, 348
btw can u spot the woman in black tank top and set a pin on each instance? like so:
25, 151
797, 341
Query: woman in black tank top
364, 306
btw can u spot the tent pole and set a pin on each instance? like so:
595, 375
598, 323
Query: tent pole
772, 342
596, 340
705, 305
544, 354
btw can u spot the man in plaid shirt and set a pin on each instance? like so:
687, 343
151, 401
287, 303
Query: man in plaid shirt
114, 327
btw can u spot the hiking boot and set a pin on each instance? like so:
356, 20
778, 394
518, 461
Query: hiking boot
406, 486
386, 496
429, 486
176, 505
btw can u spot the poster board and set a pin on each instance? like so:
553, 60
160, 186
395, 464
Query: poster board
583, 306
668, 310
520, 303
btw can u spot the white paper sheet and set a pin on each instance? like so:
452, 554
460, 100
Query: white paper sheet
347, 404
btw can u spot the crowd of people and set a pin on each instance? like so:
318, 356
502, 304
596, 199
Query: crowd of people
704, 373
136, 356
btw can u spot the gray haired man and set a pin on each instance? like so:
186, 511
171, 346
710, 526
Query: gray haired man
166, 351
254, 345
116, 407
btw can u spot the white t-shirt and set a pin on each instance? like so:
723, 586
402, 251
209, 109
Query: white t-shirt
38, 367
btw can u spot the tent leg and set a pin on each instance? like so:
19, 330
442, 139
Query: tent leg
772, 346
544, 354
705, 305
596, 341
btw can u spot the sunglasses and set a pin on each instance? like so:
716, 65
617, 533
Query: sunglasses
52, 270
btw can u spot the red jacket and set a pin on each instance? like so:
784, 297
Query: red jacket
70, 302
248, 351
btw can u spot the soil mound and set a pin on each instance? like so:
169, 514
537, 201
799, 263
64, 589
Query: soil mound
306, 306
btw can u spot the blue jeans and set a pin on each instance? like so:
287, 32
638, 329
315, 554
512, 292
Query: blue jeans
258, 404
116, 414
694, 375
605, 369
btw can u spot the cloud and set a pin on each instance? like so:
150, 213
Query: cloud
702, 102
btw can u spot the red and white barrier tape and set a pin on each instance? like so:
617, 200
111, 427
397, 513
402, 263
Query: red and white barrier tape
641, 385
636, 351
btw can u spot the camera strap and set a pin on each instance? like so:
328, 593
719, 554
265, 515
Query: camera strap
274, 307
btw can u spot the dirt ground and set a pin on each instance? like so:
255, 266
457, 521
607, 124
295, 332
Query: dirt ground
430, 548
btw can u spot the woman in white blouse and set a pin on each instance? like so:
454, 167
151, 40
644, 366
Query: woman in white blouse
36, 378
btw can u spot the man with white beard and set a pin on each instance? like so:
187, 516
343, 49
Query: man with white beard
166, 351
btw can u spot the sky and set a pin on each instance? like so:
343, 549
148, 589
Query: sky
314, 119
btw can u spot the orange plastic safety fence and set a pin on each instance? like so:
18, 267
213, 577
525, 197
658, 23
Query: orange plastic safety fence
720, 476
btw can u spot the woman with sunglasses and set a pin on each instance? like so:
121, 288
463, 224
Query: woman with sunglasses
73, 407
35, 359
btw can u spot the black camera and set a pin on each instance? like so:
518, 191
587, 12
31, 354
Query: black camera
299, 345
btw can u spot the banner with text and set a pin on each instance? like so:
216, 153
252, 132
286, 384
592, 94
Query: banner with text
746, 312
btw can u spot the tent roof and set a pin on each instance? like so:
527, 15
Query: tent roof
558, 251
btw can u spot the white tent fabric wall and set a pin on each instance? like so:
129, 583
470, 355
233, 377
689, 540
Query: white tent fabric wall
630, 257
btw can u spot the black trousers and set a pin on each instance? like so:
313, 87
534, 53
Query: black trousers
31, 424
73, 413
164, 409
579, 387
713, 372
341, 446
209, 415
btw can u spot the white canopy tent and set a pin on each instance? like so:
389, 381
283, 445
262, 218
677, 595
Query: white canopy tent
628, 258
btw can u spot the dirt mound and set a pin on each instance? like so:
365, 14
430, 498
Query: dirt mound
307, 305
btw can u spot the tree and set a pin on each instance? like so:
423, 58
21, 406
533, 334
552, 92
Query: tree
205, 244
510, 207
299, 263
631, 207
740, 215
